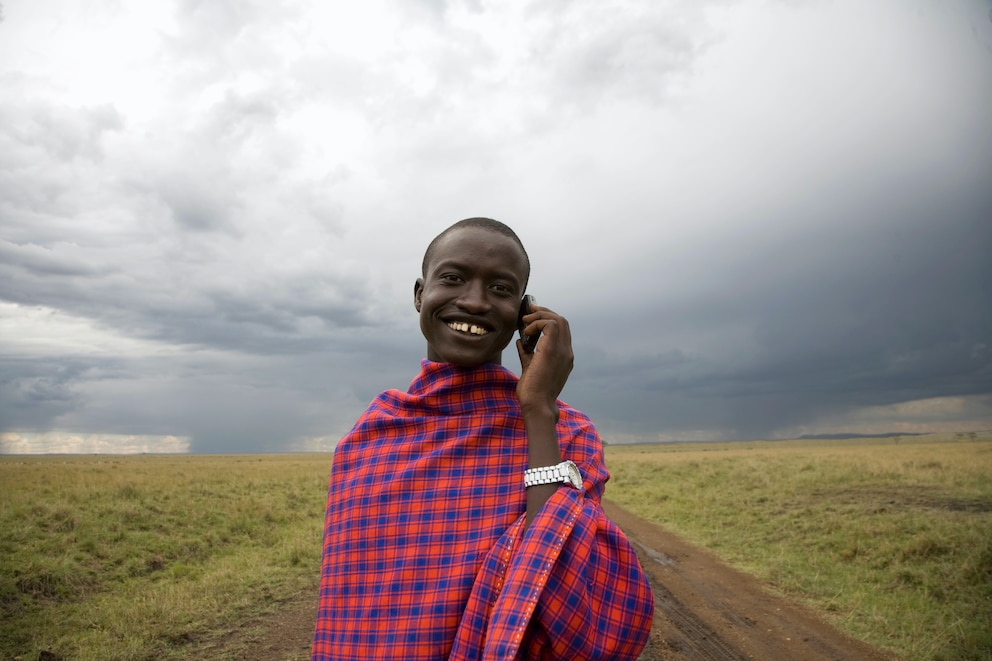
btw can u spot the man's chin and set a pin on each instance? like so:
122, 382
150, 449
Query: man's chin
464, 357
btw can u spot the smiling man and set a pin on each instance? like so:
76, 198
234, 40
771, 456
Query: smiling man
463, 515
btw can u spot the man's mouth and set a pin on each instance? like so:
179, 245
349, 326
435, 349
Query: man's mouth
463, 327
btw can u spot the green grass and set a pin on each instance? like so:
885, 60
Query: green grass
148, 557
891, 538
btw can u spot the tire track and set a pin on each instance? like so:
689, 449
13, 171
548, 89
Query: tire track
697, 640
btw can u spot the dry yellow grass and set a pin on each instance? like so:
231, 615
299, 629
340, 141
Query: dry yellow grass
146, 557
892, 538
153, 557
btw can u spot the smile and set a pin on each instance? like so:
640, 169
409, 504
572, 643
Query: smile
463, 327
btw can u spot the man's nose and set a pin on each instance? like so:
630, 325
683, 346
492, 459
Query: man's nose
475, 298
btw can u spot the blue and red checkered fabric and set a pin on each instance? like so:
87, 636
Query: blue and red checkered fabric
425, 553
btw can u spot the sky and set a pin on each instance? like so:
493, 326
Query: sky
761, 219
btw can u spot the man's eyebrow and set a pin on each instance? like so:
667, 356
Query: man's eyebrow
466, 265
450, 261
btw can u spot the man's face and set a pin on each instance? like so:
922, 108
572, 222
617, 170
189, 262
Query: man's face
470, 295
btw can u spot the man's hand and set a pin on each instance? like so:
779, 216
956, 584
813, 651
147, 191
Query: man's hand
544, 372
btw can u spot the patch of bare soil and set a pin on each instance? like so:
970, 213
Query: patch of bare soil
704, 611
283, 635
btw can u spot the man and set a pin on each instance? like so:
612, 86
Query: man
440, 542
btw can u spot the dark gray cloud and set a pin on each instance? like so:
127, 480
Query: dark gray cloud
817, 322
33, 394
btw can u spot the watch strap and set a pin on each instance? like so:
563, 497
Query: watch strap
566, 472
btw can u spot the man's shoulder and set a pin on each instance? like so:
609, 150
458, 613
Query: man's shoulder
572, 415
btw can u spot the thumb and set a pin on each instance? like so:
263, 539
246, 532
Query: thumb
525, 357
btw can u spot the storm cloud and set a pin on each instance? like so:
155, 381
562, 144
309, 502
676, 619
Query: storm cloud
762, 219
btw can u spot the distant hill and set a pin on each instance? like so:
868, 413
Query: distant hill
960, 435
821, 437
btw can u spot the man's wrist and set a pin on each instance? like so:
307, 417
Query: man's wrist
541, 425
539, 413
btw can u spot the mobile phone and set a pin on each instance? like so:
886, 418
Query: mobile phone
529, 341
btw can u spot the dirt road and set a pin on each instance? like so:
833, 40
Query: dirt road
704, 611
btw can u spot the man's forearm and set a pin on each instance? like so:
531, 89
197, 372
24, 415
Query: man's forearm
542, 450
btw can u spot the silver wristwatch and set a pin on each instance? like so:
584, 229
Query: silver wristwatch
566, 472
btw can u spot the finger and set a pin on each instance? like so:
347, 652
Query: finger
536, 312
525, 357
554, 329
564, 331
541, 317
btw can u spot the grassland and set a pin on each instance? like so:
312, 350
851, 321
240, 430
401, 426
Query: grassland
158, 557
151, 557
891, 538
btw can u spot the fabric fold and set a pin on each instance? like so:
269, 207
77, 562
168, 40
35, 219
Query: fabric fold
425, 553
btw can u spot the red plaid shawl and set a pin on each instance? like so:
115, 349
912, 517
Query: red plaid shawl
423, 552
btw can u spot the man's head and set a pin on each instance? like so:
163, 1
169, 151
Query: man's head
474, 275
482, 223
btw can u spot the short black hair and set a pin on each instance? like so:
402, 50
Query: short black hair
481, 223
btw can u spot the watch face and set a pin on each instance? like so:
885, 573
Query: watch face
574, 475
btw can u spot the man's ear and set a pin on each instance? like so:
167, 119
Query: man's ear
418, 289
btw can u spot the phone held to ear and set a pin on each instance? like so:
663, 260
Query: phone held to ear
529, 341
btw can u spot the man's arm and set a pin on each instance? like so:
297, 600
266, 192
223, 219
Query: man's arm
543, 375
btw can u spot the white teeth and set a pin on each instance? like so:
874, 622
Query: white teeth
463, 327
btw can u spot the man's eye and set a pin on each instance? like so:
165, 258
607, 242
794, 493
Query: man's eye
450, 277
